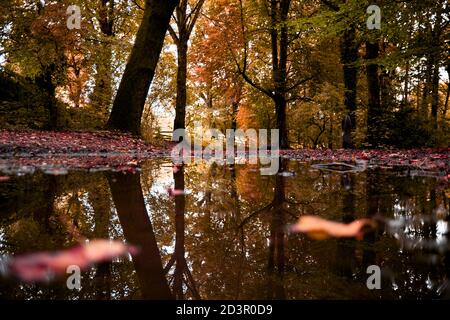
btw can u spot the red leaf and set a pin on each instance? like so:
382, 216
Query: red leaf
40, 266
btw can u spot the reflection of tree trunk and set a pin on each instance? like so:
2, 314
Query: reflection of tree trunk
276, 263
179, 256
180, 262
137, 229
345, 253
101, 204
372, 197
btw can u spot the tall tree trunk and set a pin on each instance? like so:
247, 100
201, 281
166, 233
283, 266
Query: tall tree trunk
185, 18
181, 99
279, 14
345, 259
280, 108
349, 57
179, 253
133, 90
374, 113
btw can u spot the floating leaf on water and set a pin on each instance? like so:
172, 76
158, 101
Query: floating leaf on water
319, 229
41, 266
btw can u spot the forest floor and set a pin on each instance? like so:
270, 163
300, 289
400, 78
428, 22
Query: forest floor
24, 151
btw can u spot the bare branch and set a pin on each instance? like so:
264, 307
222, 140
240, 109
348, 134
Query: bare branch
193, 16
174, 36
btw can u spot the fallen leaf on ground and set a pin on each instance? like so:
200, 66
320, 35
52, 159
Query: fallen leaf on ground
41, 266
319, 229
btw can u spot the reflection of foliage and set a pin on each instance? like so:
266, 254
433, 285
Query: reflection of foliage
225, 261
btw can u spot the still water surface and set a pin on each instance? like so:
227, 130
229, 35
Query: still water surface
226, 237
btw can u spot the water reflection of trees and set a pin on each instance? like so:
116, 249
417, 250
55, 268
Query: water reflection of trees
216, 242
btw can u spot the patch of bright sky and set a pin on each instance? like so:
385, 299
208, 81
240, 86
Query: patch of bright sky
2, 240
441, 231
88, 211
164, 179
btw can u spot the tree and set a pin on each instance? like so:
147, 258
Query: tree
187, 13
102, 93
216, 81
133, 89
38, 46
281, 40
349, 57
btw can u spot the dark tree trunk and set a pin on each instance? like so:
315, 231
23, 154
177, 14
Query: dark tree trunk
133, 90
345, 252
277, 256
279, 41
280, 107
180, 262
349, 57
137, 228
374, 113
279, 89
181, 100
186, 16
235, 114
373, 192
182, 276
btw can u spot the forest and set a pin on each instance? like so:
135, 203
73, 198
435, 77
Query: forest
97, 96
302, 67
